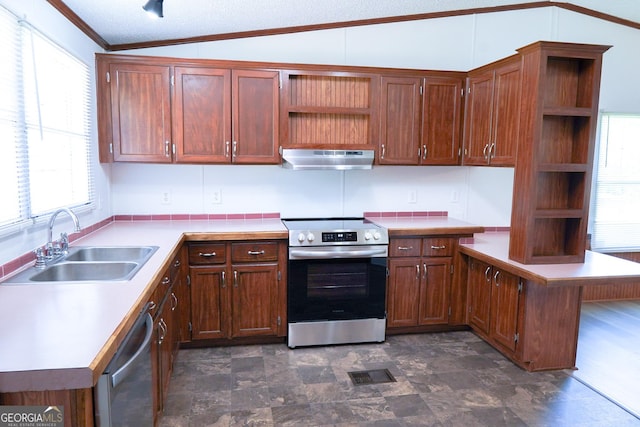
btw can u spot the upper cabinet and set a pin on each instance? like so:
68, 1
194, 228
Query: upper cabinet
420, 120
223, 115
140, 113
560, 86
329, 109
213, 115
492, 114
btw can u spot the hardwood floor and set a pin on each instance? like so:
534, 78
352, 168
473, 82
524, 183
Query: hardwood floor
608, 357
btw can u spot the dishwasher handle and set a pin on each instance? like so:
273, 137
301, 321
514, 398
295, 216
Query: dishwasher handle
123, 372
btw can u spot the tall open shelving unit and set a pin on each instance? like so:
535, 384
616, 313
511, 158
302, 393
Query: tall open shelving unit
552, 182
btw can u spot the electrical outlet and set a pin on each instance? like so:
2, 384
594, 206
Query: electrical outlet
216, 196
455, 196
413, 196
166, 197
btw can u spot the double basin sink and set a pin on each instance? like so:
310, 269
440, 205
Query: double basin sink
89, 264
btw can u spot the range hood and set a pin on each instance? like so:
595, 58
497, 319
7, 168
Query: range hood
308, 158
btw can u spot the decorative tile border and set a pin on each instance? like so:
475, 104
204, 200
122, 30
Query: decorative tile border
30, 257
405, 214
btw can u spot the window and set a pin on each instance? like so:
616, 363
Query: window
44, 126
616, 223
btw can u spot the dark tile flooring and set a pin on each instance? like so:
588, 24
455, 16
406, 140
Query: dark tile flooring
442, 379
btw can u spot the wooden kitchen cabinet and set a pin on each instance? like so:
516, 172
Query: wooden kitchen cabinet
226, 116
420, 120
419, 283
237, 289
140, 112
332, 109
549, 218
494, 300
492, 114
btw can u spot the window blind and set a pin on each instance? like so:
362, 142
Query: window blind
45, 117
616, 223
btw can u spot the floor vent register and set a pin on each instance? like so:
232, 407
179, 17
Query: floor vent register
375, 376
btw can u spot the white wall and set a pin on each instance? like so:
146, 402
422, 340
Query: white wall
55, 26
479, 195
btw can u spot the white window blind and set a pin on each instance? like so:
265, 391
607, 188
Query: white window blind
44, 125
616, 222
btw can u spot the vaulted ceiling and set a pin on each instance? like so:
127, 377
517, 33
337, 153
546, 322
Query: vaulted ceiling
123, 24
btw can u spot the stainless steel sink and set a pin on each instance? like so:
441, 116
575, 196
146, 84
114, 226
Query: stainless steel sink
110, 253
85, 271
89, 264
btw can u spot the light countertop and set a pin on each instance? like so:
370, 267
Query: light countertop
425, 225
597, 269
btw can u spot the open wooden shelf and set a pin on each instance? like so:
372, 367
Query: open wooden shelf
552, 184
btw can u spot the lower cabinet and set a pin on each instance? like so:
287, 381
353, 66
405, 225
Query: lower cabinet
534, 325
419, 283
237, 289
494, 300
165, 308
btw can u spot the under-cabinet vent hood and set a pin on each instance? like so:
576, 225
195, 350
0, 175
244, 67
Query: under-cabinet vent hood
307, 158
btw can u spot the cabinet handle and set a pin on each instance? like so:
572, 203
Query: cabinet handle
495, 277
484, 152
224, 280
424, 270
382, 154
255, 252
235, 278
152, 305
177, 263
207, 255
438, 247
235, 148
405, 248
166, 148
166, 280
492, 150
163, 331
486, 274
424, 152
417, 271
174, 301
226, 149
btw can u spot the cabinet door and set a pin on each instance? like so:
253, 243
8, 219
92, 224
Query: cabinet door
400, 121
442, 99
255, 116
403, 292
479, 281
477, 126
255, 300
434, 291
209, 302
202, 115
504, 308
140, 113
165, 349
506, 115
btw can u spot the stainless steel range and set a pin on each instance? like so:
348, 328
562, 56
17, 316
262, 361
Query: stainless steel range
336, 285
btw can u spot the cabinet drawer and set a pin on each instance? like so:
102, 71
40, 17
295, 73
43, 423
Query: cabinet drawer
207, 253
254, 251
438, 246
404, 247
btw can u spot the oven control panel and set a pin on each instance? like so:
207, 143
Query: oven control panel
340, 236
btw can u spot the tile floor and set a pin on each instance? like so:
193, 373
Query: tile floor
442, 379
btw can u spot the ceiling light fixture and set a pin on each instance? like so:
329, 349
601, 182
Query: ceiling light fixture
154, 8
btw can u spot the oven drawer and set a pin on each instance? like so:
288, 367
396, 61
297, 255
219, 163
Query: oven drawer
254, 251
404, 247
207, 253
438, 246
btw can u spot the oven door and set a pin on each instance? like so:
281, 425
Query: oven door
336, 283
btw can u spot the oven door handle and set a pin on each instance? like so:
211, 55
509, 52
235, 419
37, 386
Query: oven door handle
295, 253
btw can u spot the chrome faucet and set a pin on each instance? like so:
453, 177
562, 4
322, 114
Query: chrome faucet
54, 250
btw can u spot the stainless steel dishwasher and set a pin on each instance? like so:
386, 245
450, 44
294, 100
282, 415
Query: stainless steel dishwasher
124, 393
